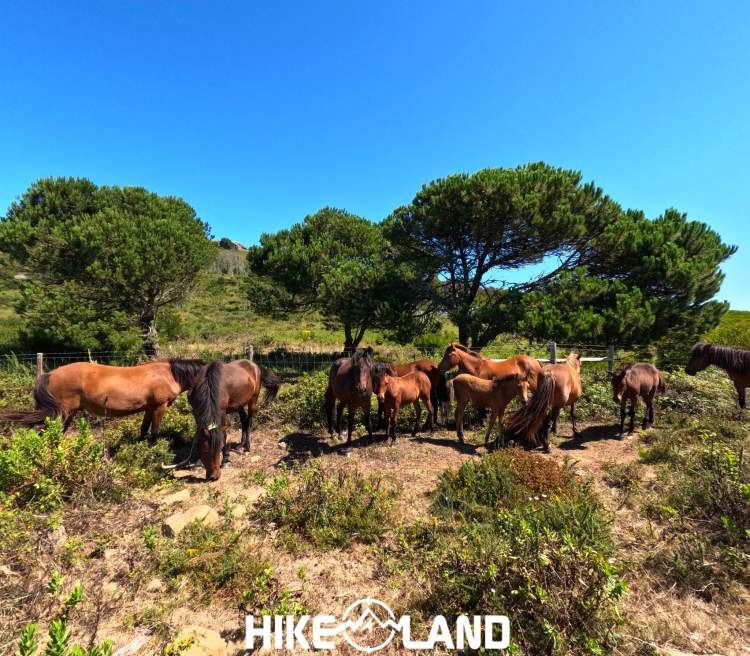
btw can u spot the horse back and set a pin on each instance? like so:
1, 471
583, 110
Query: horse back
240, 382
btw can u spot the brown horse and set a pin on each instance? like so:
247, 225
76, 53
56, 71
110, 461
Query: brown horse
735, 361
221, 388
468, 362
560, 385
350, 382
108, 391
629, 381
439, 395
495, 394
394, 391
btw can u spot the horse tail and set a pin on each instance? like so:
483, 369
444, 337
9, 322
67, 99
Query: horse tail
661, 386
528, 420
45, 405
443, 391
270, 382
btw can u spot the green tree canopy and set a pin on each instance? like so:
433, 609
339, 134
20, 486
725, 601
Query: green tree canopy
611, 275
103, 261
337, 264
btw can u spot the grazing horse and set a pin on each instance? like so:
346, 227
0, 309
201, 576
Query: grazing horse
560, 385
350, 382
468, 362
629, 381
108, 391
219, 389
393, 391
735, 361
495, 394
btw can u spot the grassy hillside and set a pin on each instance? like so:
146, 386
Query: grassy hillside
734, 329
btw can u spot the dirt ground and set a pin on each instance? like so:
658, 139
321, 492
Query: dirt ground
117, 593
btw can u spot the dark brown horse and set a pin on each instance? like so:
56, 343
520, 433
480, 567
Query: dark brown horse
350, 383
560, 386
735, 361
108, 391
221, 388
468, 362
393, 391
629, 381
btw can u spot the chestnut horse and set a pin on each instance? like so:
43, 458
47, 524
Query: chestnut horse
495, 394
350, 383
735, 361
108, 391
393, 391
221, 388
468, 362
560, 385
629, 381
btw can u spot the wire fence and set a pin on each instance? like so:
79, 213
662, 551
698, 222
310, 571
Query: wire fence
290, 364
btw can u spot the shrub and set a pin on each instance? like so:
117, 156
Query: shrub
58, 635
43, 469
329, 508
520, 537
703, 498
300, 404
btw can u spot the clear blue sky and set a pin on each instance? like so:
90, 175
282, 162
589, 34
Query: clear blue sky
258, 114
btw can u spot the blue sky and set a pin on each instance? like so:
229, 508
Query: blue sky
258, 114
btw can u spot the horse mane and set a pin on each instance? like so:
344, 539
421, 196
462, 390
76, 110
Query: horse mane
621, 369
362, 357
729, 358
379, 369
460, 347
204, 399
185, 370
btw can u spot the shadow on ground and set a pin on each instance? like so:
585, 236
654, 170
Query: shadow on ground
591, 434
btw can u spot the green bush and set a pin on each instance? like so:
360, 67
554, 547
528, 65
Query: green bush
300, 404
516, 535
703, 500
58, 634
41, 470
329, 508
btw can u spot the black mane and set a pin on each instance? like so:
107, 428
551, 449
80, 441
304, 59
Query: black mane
362, 358
204, 399
729, 358
379, 369
185, 371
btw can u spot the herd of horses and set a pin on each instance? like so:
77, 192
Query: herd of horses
217, 389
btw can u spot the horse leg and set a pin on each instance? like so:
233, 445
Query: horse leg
623, 403
330, 402
500, 440
245, 423
490, 424
394, 421
350, 423
433, 406
551, 418
572, 419
633, 403
740, 387
418, 411
146, 423
339, 413
381, 416
460, 419
156, 417
368, 424
431, 419
648, 415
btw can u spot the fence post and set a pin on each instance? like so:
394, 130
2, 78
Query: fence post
611, 357
553, 352
39, 364
250, 352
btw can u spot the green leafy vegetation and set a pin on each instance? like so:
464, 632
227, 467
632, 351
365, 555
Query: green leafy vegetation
328, 508
515, 534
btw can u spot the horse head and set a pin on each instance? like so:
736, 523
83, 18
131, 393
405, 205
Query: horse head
451, 357
211, 441
699, 359
361, 365
574, 360
617, 378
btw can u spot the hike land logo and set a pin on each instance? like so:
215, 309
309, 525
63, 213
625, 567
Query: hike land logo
369, 625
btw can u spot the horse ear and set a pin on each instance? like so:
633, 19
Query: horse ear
611, 374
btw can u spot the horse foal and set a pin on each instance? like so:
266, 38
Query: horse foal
495, 394
394, 391
629, 381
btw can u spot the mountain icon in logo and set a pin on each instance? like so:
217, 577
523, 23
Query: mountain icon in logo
369, 625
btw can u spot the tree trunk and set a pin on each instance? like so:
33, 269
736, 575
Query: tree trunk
150, 336
348, 339
463, 334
